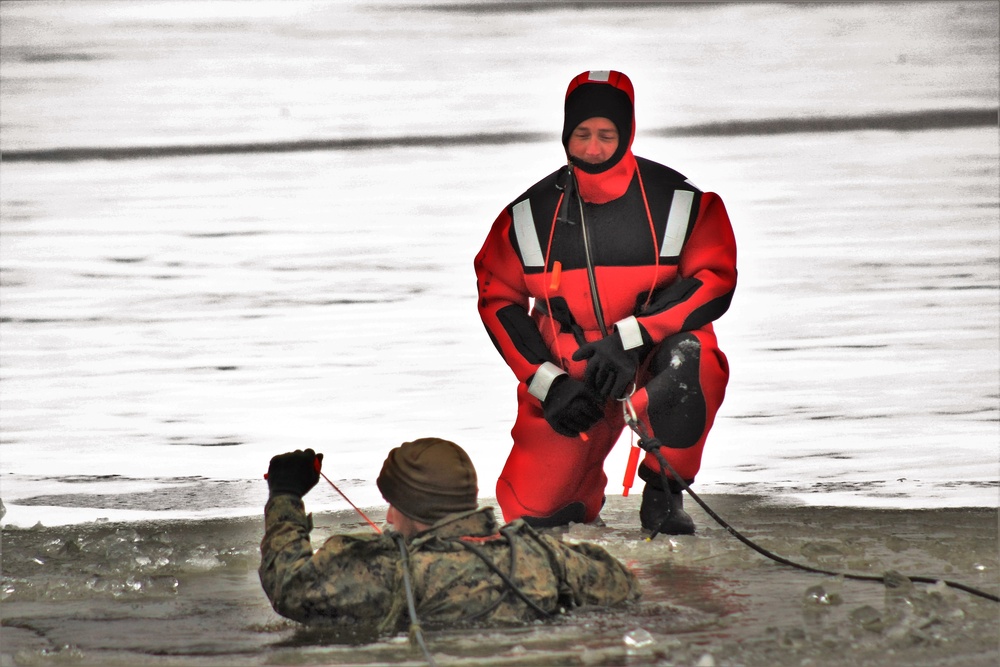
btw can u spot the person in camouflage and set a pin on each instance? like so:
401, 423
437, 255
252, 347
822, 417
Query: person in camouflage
460, 567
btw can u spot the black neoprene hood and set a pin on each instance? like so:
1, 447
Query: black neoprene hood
592, 100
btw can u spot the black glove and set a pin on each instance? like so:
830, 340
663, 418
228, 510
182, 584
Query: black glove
570, 407
294, 473
611, 367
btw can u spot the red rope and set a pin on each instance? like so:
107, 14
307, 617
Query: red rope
548, 252
356, 509
652, 229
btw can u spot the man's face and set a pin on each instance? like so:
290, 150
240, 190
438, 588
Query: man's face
594, 140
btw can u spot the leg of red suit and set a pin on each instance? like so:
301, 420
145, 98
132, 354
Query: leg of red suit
687, 383
684, 386
546, 471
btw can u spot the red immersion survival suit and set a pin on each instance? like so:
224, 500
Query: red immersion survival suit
653, 258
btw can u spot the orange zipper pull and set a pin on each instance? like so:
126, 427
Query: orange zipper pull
556, 275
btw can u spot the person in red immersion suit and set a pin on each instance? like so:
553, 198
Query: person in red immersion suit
603, 279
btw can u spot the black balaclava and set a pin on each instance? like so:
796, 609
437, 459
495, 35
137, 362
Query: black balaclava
607, 94
598, 99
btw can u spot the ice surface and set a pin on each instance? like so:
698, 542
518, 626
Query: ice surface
170, 324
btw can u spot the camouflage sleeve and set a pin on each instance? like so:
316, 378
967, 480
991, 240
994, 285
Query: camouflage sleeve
595, 577
349, 581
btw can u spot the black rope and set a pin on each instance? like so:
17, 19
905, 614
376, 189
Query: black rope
415, 630
503, 594
653, 445
507, 580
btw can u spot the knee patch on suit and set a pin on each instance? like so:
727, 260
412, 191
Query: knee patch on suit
677, 409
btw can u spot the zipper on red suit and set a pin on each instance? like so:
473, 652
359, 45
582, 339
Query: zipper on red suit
591, 276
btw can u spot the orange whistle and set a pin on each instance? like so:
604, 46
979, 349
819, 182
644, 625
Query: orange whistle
633, 463
556, 275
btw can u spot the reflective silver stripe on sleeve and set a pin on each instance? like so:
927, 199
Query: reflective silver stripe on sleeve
630, 332
677, 223
544, 376
527, 237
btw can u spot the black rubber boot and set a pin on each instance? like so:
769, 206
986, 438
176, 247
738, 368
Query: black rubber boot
662, 511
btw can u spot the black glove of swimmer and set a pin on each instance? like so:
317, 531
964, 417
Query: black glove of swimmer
294, 473
570, 407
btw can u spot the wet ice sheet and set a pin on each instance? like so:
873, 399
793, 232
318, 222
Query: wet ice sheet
187, 594
159, 352
187, 318
168, 73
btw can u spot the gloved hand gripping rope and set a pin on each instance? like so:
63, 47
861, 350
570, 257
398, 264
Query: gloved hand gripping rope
653, 445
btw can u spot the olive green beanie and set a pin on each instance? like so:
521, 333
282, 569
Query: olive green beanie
428, 479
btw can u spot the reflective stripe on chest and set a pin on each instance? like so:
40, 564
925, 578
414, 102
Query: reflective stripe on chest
619, 230
677, 223
527, 236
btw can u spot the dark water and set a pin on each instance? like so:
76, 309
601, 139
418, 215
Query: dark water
187, 594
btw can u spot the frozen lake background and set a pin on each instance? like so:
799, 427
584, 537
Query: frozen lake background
170, 321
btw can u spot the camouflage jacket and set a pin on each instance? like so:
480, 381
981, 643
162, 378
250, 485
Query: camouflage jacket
357, 580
